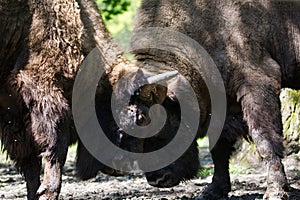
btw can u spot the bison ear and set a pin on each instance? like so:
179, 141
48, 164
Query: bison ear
137, 80
130, 82
139, 77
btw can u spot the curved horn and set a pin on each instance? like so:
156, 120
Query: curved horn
162, 77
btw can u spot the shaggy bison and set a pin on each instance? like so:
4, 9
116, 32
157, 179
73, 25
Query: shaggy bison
256, 47
42, 45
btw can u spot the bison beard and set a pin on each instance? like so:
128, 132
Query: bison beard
256, 47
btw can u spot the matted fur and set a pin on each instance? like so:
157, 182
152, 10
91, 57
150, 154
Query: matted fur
256, 47
43, 43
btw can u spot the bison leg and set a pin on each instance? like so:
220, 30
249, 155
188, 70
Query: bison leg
54, 162
87, 166
234, 128
51, 185
261, 109
31, 167
220, 186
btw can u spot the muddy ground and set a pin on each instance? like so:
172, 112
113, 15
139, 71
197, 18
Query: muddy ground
134, 186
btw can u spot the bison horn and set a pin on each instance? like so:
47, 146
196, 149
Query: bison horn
162, 77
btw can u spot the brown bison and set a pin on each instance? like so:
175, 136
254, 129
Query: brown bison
42, 45
256, 47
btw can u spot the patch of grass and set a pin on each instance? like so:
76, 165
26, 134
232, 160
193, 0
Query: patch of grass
237, 169
205, 172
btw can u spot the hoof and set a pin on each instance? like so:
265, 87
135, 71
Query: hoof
209, 197
48, 197
275, 194
43, 198
44, 194
214, 192
42, 190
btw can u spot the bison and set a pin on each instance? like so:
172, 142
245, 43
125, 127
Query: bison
41, 48
256, 47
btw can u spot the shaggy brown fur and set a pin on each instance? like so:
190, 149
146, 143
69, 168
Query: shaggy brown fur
256, 46
42, 45
35, 114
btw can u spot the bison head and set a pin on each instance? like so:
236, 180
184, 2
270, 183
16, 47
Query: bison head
144, 91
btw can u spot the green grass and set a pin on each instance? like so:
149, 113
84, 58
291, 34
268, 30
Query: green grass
205, 172
237, 169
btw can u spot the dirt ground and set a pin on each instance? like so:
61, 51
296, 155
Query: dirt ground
134, 186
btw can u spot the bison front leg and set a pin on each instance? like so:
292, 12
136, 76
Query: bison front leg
54, 161
51, 185
31, 168
261, 110
220, 186
234, 127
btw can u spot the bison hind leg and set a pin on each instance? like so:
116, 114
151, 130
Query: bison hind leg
261, 109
